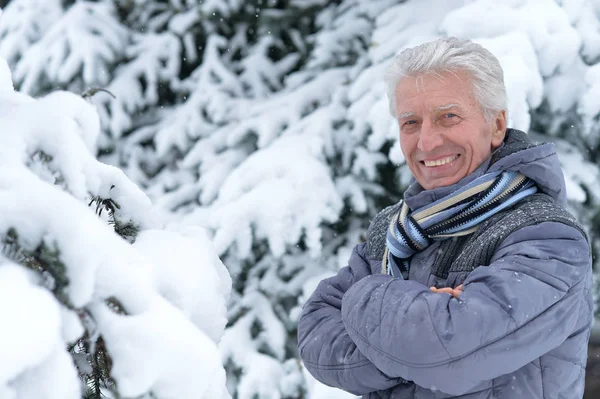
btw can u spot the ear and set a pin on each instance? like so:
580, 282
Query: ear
499, 129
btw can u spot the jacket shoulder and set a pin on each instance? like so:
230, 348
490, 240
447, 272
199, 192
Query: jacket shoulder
533, 210
539, 208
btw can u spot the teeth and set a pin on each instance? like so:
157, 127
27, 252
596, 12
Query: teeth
440, 162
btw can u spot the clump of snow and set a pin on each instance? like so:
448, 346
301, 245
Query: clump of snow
200, 293
170, 283
583, 14
161, 351
31, 342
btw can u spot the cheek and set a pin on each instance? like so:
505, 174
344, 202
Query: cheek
480, 149
485, 143
474, 143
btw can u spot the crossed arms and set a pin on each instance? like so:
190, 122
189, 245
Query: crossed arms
364, 332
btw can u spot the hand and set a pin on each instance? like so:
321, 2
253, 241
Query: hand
455, 292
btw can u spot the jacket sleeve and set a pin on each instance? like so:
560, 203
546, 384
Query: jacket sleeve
524, 304
327, 351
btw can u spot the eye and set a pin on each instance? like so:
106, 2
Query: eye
409, 123
450, 115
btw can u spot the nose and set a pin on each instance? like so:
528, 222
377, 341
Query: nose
429, 137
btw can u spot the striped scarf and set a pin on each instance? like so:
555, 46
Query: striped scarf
457, 214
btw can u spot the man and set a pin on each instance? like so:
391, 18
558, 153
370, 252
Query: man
476, 285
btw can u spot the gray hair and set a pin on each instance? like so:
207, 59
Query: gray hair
451, 55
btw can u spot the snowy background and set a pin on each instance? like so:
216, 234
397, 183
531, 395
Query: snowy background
179, 220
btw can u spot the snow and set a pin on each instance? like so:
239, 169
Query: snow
156, 58
271, 176
590, 104
24, 22
583, 14
53, 378
65, 48
261, 373
21, 298
66, 126
578, 172
562, 91
201, 294
5, 78
166, 343
524, 84
316, 390
161, 351
270, 148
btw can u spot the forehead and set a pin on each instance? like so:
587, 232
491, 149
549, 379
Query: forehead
433, 92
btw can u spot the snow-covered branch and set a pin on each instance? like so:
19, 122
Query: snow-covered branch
159, 303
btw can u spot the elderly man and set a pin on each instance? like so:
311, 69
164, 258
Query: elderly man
477, 284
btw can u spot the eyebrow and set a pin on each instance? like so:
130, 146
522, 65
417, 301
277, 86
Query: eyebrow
405, 115
438, 108
446, 106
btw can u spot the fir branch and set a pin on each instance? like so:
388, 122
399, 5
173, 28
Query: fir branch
95, 90
128, 229
49, 259
10, 246
43, 260
99, 380
46, 158
115, 305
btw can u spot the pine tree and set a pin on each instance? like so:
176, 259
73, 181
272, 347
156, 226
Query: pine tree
91, 303
267, 122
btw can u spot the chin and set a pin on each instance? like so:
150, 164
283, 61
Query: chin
430, 185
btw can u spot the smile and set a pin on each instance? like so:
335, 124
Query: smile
440, 162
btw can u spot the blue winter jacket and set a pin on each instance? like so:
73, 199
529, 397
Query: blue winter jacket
519, 329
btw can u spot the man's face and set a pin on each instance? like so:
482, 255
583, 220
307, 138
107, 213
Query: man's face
443, 133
